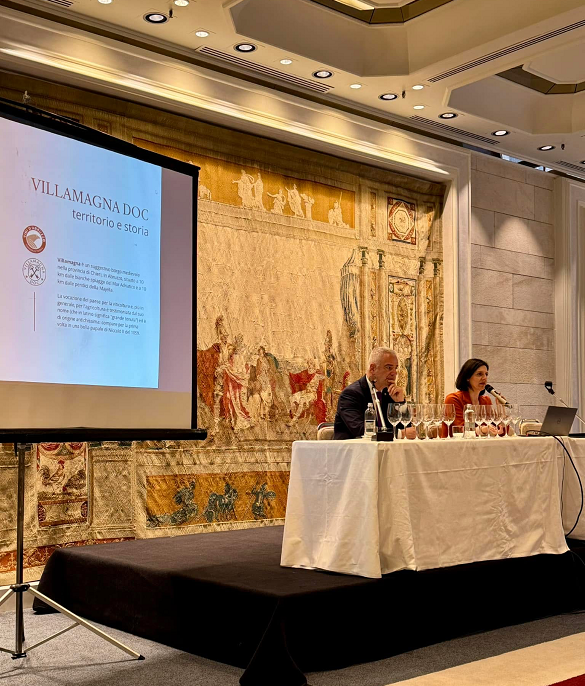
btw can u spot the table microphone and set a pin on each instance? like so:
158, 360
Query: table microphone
498, 396
549, 387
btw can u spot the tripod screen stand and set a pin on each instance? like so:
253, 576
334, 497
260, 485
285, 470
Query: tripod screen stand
22, 437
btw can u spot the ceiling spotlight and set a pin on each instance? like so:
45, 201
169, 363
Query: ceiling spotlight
245, 47
322, 74
419, 107
388, 96
448, 115
105, 2
582, 162
545, 148
500, 132
418, 87
202, 34
286, 61
181, 3
355, 86
155, 18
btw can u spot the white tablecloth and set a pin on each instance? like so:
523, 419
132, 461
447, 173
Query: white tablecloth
571, 490
364, 508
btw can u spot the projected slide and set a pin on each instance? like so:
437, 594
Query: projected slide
80, 263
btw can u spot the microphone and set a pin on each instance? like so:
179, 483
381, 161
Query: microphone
549, 387
498, 396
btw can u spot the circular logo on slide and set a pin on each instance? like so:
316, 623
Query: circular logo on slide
34, 272
34, 239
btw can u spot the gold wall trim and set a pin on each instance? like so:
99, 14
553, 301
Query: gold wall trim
385, 15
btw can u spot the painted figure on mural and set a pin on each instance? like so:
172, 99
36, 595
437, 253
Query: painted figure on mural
309, 202
245, 189
221, 506
235, 386
224, 349
258, 193
329, 380
310, 394
261, 495
294, 200
204, 192
279, 201
335, 215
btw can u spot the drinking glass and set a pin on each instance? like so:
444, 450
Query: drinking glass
406, 411
428, 417
477, 410
448, 417
506, 418
515, 416
484, 421
416, 417
458, 431
394, 416
493, 416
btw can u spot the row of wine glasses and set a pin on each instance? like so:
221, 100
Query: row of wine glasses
495, 420
431, 416
490, 420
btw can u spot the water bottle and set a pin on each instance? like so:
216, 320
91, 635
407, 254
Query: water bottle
369, 422
469, 420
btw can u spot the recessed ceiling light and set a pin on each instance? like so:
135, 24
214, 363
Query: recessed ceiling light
355, 86
419, 107
582, 162
202, 34
418, 87
155, 18
181, 3
105, 2
245, 47
545, 148
448, 115
500, 132
322, 74
388, 96
286, 61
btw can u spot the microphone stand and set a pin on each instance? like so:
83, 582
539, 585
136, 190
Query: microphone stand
377, 405
565, 404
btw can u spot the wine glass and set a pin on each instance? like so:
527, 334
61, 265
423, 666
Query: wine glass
416, 417
506, 418
484, 421
515, 416
394, 416
448, 417
406, 410
428, 417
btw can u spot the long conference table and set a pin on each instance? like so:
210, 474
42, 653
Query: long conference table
369, 508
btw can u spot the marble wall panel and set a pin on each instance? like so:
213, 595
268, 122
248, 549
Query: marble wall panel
503, 168
505, 195
533, 294
489, 287
511, 336
482, 226
503, 315
543, 205
518, 234
539, 178
511, 262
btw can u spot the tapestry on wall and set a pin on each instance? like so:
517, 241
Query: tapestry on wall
62, 491
304, 263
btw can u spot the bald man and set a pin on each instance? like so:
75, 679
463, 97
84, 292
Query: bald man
353, 401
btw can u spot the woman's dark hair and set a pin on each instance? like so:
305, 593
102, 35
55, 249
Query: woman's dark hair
467, 371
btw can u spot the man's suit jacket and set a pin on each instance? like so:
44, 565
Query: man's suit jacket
351, 407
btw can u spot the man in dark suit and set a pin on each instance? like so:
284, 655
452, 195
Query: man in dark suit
353, 401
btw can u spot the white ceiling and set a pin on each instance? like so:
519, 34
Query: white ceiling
454, 51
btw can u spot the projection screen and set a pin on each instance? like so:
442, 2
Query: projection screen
97, 277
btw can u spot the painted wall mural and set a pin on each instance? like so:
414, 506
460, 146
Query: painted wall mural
304, 263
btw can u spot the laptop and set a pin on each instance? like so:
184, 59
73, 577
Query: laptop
558, 420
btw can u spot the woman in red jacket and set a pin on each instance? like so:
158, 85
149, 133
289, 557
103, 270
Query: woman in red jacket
470, 383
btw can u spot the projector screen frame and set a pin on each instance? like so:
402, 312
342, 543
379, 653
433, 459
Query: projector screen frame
69, 128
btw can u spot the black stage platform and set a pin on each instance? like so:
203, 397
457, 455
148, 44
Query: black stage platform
225, 597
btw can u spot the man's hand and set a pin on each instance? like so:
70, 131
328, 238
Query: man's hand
410, 432
396, 393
